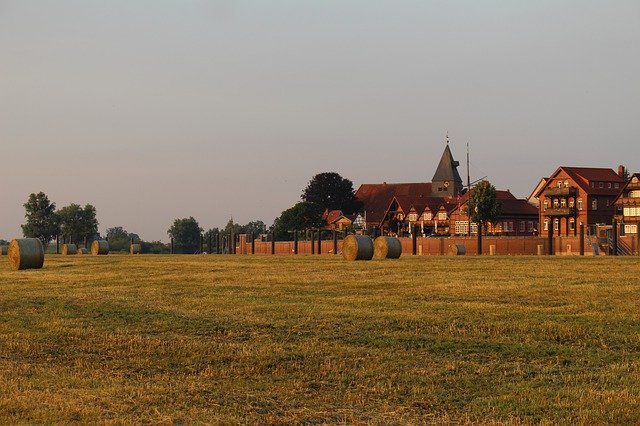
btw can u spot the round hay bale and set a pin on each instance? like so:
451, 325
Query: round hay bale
99, 247
357, 247
82, 251
135, 249
387, 248
3, 250
68, 249
26, 253
457, 250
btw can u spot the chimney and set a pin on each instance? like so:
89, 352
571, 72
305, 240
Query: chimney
621, 171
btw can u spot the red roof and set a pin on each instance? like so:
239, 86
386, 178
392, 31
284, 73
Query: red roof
510, 205
583, 176
377, 197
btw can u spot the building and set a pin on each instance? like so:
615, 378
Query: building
517, 217
628, 205
436, 207
578, 195
336, 220
393, 207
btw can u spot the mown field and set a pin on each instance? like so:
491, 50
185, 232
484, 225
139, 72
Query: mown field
223, 339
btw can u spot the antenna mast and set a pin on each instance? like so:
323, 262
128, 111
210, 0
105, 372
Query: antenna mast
468, 194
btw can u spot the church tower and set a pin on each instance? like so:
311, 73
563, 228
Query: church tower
446, 182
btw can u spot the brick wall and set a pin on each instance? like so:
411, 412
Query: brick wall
439, 246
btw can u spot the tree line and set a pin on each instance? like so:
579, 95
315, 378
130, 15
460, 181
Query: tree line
325, 191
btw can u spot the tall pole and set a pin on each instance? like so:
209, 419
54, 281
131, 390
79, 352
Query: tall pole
582, 239
479, 238
253, 243
468, 194
550, 239
57, 244
313, 242
295, 241
614, 229
171, 245
273, 242
414, 240
319, 241
335, 242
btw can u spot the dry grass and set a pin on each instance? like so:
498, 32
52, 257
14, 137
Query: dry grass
209, 339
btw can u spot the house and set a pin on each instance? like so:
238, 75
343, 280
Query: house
517, 217
394, 207
336, 220
578, 195
437, 207
628, 205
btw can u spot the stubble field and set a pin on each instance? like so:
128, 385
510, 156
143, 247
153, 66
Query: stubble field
241, 339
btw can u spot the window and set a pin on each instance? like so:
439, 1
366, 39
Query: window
474, 228
572, 224
522, 226
593, 184
601, 185
428, 216
546, 204
616, 185
531, 227
555, 203
546, 224
556, 224
609, 185
566, 183
462, 227
413, 217
579, 203
594, 204
571, 203
563, 203
442, 216
631, 229
400, 216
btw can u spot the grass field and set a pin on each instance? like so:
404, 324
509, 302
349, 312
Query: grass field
210, 339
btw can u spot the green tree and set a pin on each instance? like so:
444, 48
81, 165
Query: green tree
186, 235
119, 239
483, 207
42, 220
78, 223
304, 215
333, 192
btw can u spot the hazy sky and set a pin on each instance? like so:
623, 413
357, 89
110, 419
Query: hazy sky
153, 110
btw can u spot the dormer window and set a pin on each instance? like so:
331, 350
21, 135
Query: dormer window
559, 184
601, 185
566, 183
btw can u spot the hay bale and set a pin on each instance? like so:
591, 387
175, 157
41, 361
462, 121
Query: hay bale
387, 248
357, 247
82, 251
3, 250
135, 249
456, 250
68, 249
99, 247
26, 253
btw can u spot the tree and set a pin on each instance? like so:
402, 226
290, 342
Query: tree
304, 215
78, 223
42, 220
119, 239
333, 192
186, 235
483, 207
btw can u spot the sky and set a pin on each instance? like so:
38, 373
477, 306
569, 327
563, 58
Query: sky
153, 110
